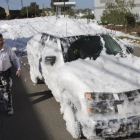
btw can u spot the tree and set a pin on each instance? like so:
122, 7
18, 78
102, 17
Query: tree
87, 14
118, 12
33, 10
23, 12
47, 11
70, 12
2, 13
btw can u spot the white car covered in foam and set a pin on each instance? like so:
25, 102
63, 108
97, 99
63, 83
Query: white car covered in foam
95, 80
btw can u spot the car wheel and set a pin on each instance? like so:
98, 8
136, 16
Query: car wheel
38, 81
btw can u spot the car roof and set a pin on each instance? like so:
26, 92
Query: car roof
66, 37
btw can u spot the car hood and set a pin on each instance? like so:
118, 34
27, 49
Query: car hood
107, 73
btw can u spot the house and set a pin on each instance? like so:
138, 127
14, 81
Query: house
99, 7
61, 7
12, 13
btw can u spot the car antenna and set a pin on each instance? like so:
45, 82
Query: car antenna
66, 29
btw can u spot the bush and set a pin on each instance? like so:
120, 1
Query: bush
91, 16
138, 23
138, 33
42, 14
2, 13
130, 18
70, 12
118, 13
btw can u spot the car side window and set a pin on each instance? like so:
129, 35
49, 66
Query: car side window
112, 47
87, 46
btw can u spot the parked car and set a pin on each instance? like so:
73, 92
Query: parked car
93, 78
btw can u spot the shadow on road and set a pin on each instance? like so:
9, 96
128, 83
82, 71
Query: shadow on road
25, 123
44, 96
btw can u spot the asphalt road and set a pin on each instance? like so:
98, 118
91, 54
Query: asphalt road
37, 114
137, 51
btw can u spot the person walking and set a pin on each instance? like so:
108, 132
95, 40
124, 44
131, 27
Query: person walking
7, 55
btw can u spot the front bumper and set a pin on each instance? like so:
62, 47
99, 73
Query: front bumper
118, 128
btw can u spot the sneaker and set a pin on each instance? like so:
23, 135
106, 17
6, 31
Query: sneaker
10, 112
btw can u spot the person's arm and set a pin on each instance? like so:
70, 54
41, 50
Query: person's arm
15, 60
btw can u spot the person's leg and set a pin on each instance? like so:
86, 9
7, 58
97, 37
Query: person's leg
6, 81
1, 92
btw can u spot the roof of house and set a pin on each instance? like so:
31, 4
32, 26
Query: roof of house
66, 3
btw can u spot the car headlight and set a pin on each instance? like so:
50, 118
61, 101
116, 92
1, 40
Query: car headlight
99, 103
101, 110
90, 96
99, 96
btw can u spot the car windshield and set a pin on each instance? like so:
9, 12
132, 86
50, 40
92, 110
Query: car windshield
112, 47
87, 46
90, 46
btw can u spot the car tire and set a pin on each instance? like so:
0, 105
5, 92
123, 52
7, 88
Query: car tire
39, 81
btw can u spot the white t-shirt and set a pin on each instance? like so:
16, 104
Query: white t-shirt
7, 54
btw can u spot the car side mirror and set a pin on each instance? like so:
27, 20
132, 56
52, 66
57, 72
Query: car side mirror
129, 50
50, 60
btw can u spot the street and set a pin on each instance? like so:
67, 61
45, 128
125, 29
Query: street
37, 114
137, 51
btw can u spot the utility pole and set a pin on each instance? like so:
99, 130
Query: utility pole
27, 10
35, 10
64, 8
7, 1
21, 3
94, 6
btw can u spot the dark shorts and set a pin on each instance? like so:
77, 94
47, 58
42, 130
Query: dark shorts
6, 73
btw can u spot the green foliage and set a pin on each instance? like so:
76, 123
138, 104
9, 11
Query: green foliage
91, 16
138, 23
23, 12
130, 18
132, 39
33, 10
138, 33
77, 11
43, 14
2, 13
70, 12
84, 11
118, 13
87, 14
47, 11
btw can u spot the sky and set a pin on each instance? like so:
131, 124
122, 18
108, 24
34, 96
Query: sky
16, 4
